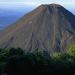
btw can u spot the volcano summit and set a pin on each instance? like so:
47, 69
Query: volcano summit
47, 28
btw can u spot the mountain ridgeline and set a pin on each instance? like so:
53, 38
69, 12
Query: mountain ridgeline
48, 28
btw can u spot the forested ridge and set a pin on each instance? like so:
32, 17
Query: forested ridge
18, 62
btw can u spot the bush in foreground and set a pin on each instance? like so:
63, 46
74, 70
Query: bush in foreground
17, 62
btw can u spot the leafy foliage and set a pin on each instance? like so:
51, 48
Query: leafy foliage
71, 51
17, 62
56, 56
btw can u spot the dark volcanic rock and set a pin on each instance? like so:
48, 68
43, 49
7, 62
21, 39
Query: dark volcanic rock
47, 28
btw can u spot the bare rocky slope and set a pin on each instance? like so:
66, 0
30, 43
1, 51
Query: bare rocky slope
47, 28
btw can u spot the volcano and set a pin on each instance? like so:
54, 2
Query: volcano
48, 28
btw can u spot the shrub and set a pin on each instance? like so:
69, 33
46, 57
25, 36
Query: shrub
56, 56
18, 62
71, 50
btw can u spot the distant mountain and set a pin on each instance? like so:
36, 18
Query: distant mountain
48, 28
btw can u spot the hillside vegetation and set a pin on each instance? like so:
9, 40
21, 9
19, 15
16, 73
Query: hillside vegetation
17, 62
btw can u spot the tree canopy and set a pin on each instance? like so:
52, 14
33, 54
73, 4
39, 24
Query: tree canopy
18, 62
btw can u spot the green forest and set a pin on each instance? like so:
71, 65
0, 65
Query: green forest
18, 62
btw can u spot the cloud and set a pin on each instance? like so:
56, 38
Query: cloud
38, 2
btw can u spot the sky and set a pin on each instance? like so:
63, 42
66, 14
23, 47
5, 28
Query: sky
66, 3
33, 2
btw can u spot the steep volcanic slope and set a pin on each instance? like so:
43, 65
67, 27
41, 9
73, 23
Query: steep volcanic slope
47, 28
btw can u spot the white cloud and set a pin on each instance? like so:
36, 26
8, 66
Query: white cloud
38, 2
